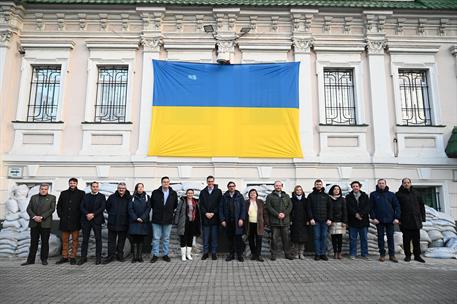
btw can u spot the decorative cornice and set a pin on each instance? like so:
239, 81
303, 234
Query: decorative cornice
152, 44
376, 46
302, 45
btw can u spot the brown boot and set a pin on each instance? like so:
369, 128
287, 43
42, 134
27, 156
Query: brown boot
392, 258
338, 255
382, 258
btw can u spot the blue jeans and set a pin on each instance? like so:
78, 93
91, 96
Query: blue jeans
160, 232
212, 232
389, 229
363, 233
320, 238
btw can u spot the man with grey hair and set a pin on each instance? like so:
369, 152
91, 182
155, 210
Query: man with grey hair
279, 207
40, 209
412, 215
118, 222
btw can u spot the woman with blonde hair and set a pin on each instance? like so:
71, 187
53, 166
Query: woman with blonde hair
299, 218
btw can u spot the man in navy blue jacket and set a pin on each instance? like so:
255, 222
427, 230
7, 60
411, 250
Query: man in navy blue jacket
384, 214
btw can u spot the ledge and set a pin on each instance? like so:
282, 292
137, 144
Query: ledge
48, 126
436, 129
342, 128
96, 126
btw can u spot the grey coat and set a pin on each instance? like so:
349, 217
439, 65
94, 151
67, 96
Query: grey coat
181, 217
42, 206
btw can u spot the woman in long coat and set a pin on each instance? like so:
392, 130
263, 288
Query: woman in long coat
257, 218
139, 223
339, 219
187, 218
299, 218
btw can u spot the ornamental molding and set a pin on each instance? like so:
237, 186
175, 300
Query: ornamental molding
376, 46
152, 44
302, 44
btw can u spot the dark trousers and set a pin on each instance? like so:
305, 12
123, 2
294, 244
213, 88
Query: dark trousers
337, 242
389, 230
35, 234
98, 239
414, 236
187, 239
255, 240
210, 232
235, 242
116, 242
137, 239
280, 234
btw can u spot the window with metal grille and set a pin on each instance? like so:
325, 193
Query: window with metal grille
339, 97
44, 94
415, 100
111, 103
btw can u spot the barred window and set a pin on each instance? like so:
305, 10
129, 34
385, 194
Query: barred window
339, 97
44, 94
111, 103
415, 100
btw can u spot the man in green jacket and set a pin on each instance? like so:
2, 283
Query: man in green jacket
279, 206
40, 209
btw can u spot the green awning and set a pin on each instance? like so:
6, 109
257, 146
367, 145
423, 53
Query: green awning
451, 148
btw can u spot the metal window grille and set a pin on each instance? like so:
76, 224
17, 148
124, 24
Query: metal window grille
44, 94
339, 97
415, 100
111, 103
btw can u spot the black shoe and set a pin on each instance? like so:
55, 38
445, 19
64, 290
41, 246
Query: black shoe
317, 258
324, 257
98, 261
44, 262
139, 256
154, 259
253, 257
240, 259
120, 258
61, 261
260, 259
107, 260
419, 259
214, 257
273, 258
166, 258
82, 261
407, 258
27, 263
229, 258
204, 256
289, 257
72, 261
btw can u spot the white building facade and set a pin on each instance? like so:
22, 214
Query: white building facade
378, 90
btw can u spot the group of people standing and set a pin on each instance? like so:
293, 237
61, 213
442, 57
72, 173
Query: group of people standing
288, 217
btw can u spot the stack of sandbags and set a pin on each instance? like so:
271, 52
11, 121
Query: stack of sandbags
263, 190
15, 235
442, 236
106, 189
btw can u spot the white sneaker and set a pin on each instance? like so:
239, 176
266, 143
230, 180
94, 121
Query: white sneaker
183, 254
189, 253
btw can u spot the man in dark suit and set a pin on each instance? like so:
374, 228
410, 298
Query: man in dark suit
69, 212
164, 202
92, 208
40, 209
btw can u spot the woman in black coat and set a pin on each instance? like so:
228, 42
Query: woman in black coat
339, 219
139, 224
298, 218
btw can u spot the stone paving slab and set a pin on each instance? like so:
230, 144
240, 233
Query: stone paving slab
280, 281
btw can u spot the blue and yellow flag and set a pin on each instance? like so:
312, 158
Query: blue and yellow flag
212, 110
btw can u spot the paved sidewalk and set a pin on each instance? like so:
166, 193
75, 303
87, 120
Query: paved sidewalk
281, 281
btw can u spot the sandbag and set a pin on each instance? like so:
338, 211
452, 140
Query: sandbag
8, 242
25, 215
423, 246
12, 216
441, 253
23, 223
19, 192
448, 235
435, 235
447, 228
11, 206
452, 243
424, 236
13, 224
22, 204
446, 217
437, 243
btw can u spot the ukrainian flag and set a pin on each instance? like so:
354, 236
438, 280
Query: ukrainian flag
212, 110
